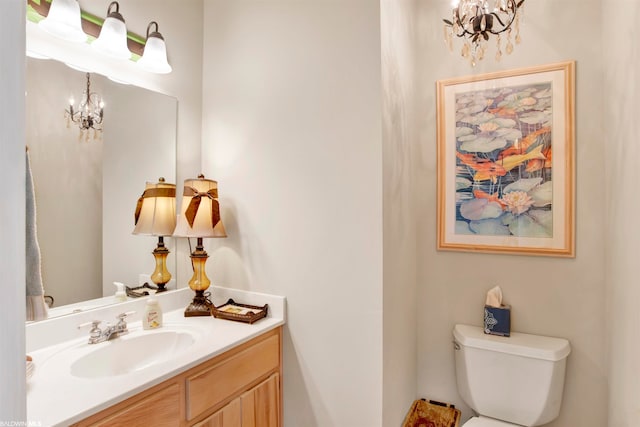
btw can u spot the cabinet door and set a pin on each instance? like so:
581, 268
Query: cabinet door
261, 404
228, 416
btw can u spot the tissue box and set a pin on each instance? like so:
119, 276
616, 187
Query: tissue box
497, 320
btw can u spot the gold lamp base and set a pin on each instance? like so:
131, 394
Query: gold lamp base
161, 275
200, 306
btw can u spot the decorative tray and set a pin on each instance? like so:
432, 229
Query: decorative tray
232, 310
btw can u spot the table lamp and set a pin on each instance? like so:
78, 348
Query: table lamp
199, 218
156, 216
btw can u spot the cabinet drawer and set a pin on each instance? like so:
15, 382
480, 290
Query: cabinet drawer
210, 387
162, 408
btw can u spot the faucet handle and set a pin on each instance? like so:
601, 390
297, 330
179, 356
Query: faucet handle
94, 324
94, 332
124, 315
121, 326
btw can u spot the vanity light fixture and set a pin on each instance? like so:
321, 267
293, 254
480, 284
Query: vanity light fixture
154, 57
90, 111
199, 218
112, 40
476, 20
156, 216
64, 21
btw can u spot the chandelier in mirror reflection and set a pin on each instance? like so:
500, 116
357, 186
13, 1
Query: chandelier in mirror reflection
90, 111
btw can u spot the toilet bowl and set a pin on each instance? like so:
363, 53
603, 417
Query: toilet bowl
509, 381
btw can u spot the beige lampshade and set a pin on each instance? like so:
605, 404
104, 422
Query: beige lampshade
200, 210
156, 210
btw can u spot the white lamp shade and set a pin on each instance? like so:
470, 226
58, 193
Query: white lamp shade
112, 40
64, 21
207, 193
154, 57
156, 211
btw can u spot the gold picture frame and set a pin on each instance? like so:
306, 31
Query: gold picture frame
505, 161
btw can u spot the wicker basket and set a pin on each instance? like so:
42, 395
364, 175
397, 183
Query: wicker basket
432, 414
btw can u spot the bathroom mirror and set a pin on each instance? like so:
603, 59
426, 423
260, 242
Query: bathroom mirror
86, 189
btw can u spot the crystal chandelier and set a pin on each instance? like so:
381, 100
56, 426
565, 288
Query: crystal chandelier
90, 111
476, 20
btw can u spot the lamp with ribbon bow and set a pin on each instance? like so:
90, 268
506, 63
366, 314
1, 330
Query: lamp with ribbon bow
199, 218
156, 216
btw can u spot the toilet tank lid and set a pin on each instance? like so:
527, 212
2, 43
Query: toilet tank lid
534, 346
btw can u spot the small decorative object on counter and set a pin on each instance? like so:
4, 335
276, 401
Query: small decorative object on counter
120, 295
432, 414
140, 291
152, 315
232, 310
497, 316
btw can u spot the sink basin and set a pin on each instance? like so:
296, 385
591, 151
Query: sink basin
130, 353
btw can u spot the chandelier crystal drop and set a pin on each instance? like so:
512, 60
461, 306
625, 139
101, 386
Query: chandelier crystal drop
475, 21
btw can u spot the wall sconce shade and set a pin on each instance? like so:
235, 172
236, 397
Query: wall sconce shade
200, 217
156, 216
154, 57
63, 21
112, 40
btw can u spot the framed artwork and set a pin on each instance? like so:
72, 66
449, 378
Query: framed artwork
506, 161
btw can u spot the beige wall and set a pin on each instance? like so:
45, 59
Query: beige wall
621, 107
292, 133
549, 296
399, 129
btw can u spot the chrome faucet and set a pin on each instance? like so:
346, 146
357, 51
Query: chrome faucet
97, 335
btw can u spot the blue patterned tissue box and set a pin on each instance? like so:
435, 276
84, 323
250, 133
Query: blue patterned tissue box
497, 320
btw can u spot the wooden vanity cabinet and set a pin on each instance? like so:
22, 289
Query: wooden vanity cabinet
239, 388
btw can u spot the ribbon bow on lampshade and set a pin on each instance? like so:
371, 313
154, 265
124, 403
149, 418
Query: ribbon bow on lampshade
200, 211
194, 204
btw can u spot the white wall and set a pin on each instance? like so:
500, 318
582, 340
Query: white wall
399, 130
621, 107
292, 133
549, 296
12, 231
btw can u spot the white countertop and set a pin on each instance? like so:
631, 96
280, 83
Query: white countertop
57, 398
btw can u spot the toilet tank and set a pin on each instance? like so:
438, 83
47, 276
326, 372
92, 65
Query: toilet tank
518, 379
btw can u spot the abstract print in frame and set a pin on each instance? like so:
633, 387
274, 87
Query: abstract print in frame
506, 161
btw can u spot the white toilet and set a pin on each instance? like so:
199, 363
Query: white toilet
510, 381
